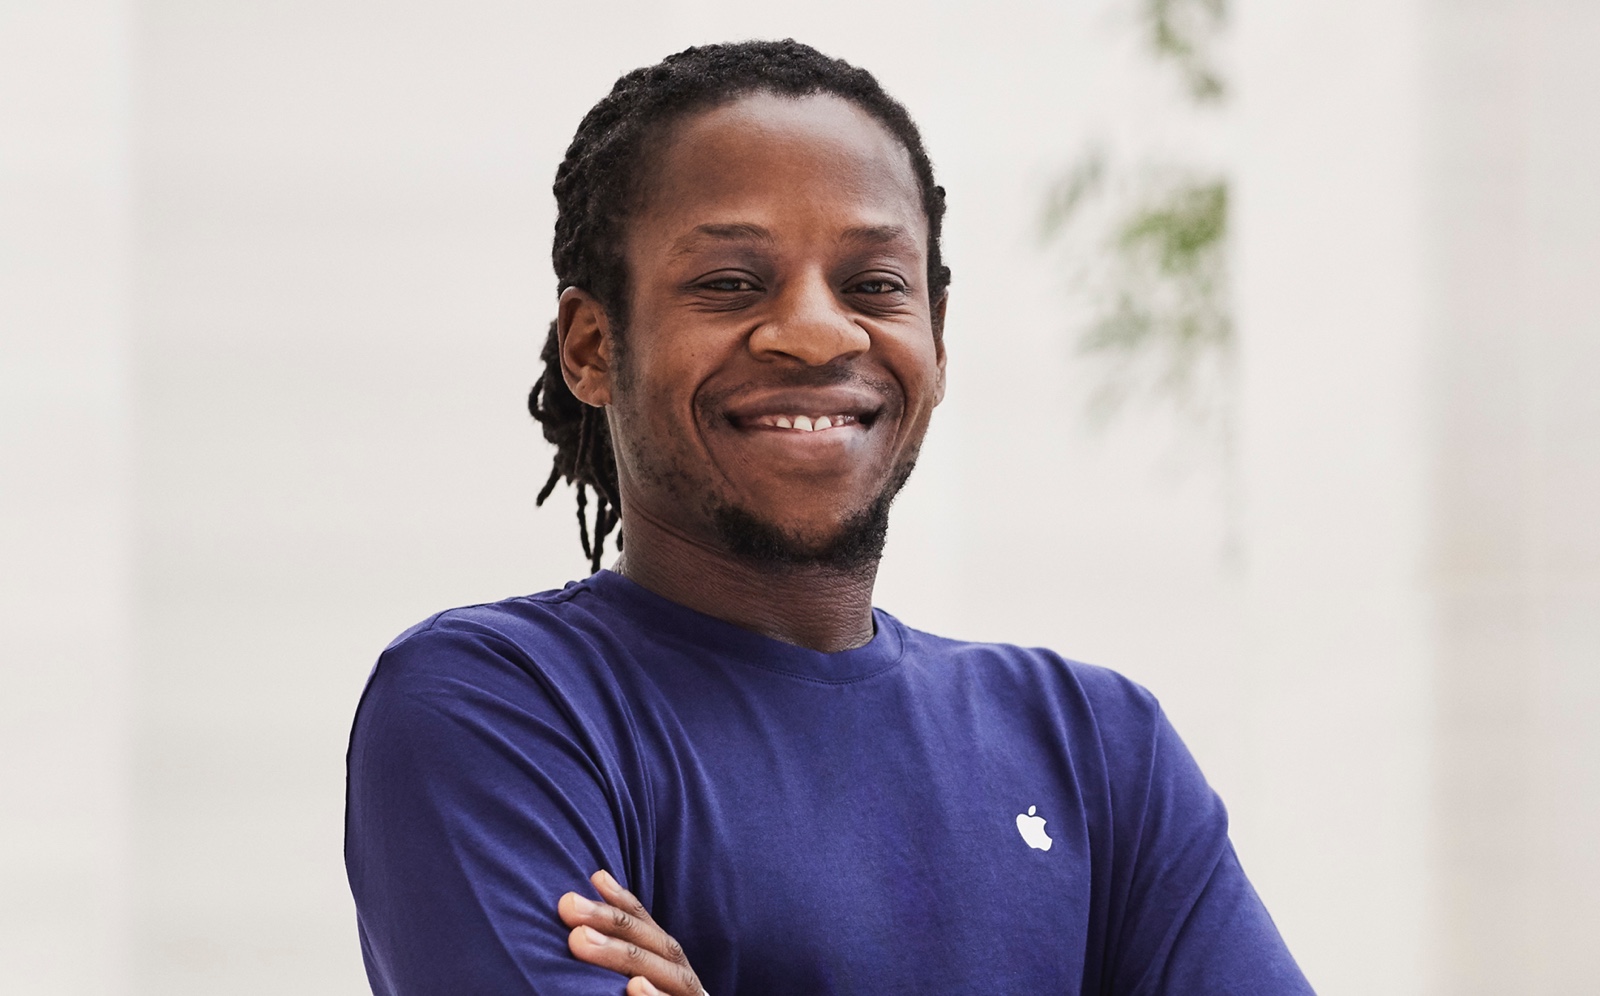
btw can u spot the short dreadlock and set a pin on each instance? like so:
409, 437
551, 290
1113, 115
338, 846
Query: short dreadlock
596, 188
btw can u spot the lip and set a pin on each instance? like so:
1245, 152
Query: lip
747, 411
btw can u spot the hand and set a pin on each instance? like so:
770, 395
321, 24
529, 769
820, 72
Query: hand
620, 935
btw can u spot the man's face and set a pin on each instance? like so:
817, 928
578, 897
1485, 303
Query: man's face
780, 361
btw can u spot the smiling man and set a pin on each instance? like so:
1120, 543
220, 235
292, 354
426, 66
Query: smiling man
716, 765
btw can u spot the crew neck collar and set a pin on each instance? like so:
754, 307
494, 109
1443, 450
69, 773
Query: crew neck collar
705, 633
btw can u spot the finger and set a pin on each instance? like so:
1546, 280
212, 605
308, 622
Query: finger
654, 938
578, 911
612, 892
618, 924
641, 986
626, 958
624, 917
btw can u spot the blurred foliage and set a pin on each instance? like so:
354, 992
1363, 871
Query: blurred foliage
1158, 289
1150, 245
1185, 33
1172, 298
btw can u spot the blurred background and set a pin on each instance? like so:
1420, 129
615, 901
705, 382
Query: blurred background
1273, 349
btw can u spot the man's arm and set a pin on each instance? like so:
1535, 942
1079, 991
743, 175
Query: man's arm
475, 799
1190, 921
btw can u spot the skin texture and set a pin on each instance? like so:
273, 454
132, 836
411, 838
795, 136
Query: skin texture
777, 266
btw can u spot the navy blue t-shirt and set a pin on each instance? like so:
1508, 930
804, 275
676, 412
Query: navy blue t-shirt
918, 815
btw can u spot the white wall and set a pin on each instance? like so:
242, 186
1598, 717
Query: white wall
1418, 250
1514, 338
1334, 453
276, 277
64, 496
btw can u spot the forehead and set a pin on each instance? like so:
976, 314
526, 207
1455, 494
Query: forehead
766, 158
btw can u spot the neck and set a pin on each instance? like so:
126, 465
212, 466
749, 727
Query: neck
823, 608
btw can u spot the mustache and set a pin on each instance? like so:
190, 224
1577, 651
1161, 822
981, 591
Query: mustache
827, 375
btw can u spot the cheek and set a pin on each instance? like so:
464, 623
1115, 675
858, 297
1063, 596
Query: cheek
668, 366
655, 400
923, 375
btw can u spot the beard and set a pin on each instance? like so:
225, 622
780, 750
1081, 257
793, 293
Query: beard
857, 543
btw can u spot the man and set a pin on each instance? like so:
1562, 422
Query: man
776, 788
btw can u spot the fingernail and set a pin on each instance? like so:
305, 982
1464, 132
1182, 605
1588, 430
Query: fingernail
583, 906
595, 937
610, 882
649, 987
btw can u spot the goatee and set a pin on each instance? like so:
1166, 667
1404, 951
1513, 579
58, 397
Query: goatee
858, 543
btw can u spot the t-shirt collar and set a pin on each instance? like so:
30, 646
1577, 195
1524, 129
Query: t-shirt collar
664, 617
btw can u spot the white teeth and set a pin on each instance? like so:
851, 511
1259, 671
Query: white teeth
805, 423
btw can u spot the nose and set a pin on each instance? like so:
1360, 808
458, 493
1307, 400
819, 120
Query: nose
810, 324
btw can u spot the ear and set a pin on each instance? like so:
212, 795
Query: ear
938, 340
584, 333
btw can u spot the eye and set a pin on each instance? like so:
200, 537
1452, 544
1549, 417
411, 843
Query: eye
878, 285
729, 283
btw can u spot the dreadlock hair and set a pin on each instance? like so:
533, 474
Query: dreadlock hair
599, 183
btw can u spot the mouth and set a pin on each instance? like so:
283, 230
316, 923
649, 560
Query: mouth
831, 411
802, 453
802, 423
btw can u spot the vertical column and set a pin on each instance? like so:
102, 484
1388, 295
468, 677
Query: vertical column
1333, 453
63, 550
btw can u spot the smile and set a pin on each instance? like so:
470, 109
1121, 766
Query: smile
801, 412
806, 423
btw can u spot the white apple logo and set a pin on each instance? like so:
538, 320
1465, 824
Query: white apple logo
1032, 829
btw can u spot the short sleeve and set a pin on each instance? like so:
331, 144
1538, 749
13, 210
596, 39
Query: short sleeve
474, 800
1191, 924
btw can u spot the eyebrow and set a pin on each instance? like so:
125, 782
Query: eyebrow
878, 235
719, 233
869, 235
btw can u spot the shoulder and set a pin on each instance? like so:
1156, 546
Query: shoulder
475, 700
1110, 731
1043, 674
528, 660
526, 634
1111, 727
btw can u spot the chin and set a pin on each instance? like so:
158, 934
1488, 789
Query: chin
849, 545
853, 544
